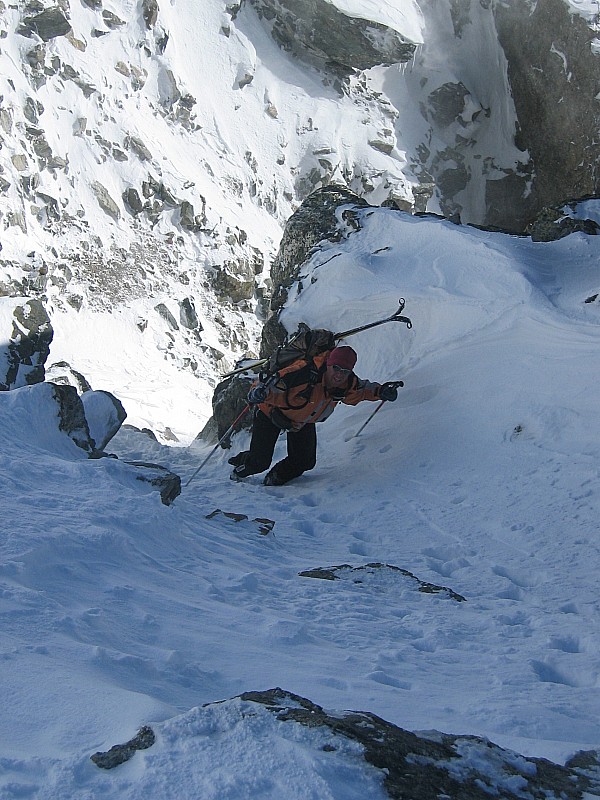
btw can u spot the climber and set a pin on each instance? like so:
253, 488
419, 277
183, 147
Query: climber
303, 393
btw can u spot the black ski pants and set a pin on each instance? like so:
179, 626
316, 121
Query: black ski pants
301, 449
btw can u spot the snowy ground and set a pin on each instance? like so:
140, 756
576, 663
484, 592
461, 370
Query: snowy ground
117, 611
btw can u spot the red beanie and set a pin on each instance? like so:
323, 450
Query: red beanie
344, 357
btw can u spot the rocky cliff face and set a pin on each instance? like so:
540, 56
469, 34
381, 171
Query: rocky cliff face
553, 60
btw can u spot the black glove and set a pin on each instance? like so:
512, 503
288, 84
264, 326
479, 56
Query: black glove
388, 392
257, 394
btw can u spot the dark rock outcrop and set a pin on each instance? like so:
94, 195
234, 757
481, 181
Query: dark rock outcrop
72, 417
316, 220
23, 358
317, 32
554, 75
552, 224
187, 314
63, 373
371, 573
435, 765
48, 24
120, 753
229, 400
168, 484
414, 766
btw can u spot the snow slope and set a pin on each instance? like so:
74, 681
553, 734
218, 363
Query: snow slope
117, 611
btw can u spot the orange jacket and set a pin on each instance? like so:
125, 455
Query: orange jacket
301, 397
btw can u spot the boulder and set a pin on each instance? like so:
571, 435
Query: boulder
24, 355
319, 33
315, 220
234, 280
187, 314
71, 416
105, 201
132, 200
158, 477
104, 414
62, 372
45, 416
48, 24
164, 312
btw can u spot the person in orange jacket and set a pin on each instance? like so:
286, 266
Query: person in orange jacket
303, 394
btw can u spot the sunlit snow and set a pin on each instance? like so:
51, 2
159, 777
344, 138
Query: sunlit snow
482, 476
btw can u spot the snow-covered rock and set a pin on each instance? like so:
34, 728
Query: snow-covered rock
26, 336
320, 32
104, 414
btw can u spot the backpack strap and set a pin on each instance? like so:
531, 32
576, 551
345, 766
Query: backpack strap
310, 374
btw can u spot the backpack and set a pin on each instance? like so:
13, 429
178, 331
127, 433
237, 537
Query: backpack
305, 344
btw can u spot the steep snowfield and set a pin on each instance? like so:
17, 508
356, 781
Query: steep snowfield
483, 477
205, 105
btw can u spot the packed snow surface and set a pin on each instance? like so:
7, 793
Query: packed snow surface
118, 611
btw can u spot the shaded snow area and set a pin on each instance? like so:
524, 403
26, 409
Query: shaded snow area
483, 477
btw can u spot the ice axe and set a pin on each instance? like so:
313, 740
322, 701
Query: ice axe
395, 317
391, 384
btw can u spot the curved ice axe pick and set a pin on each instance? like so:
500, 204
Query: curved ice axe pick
396, 385
396, 317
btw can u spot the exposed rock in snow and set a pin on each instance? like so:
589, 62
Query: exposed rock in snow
315, 221
320, 33
104, 414
120, 753
158, 477
554, 75
552, 224
431, 765
383, 576
71, 416
28, 334
421, 766
48, 24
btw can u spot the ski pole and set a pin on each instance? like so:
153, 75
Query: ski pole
223, 438
395, 385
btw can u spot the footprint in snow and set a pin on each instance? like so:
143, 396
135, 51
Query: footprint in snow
387, 680
309, 500
568, 644
546, 673
522, 581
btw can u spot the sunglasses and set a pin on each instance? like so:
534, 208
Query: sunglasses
343, 370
